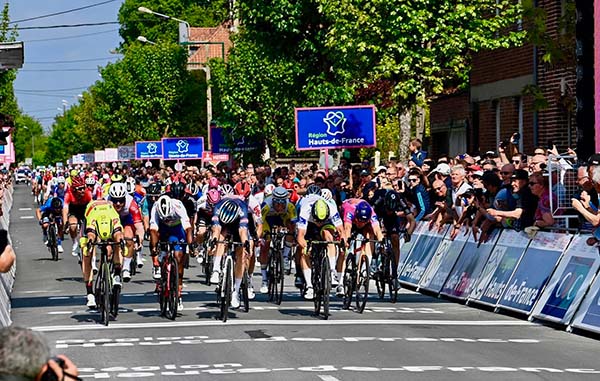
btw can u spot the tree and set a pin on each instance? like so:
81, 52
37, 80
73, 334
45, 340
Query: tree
8, 102
28, 130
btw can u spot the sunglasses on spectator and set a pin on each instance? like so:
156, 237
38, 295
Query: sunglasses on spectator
413, 180
516, 161
438, 189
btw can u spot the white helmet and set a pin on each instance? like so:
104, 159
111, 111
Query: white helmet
326, 194
226, 189
90, 180
163, 206
60, 180
269, 189
130, 185
117, 190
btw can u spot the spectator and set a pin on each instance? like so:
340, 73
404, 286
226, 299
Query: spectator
519, 161
523, 214
25, 355
506, 173
417, 193
7, 254
417, 155
458, 187
538, 183
442, 172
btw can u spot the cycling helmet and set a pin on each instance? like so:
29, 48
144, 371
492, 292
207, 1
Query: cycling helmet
130, 185
213, 196
60, 180
177, 190
117, 178
229, 212
392, 201
242, 189
77, 182
153, 189
74, 172
326, 194
281, 193
320, 210
90, 180
363, 211
213, 182
269, 189
226, 190
192, 189
313, 189
56, 203
164, 206
117, 190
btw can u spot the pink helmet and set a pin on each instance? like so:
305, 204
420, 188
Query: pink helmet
213, 183
213, 196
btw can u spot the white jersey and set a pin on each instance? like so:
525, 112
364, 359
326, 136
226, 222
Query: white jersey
305, 215
179, 216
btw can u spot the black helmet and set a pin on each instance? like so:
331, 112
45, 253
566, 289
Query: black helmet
153, 189
56, 203
313, 189
177, 190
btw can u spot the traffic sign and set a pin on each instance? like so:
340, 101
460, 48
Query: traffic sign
149, 150
188, 148
335, 127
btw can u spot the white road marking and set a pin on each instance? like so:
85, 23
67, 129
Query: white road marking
27, 217
313, 322
59, 297
327, 377
39, 292
23, 209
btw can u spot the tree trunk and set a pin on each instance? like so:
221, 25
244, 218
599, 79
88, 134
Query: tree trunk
405, 118
420, 121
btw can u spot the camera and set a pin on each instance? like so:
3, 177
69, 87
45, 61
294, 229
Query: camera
49, 374
503, 144
515, 138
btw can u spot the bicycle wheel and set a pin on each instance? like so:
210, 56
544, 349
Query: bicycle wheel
226, 288
163, 287
52, 242
362, 283
106, 292
316, 281
279, 277
133, 267
244, 288
206, 267
114, 301
172, 288
349, 281
381, 275
271, 276
326, 285
391, 275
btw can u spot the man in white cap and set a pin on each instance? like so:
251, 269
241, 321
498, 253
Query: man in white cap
442, 172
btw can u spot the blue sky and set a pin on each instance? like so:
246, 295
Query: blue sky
42, 84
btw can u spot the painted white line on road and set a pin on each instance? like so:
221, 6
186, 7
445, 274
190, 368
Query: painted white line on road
211, 323
60, 313
38, 292
325, 377
23, 209
59, 297
27, 217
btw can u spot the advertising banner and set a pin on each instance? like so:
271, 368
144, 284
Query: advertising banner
111, 154
78, 159
468, 267
186, 148
220, 143
335, 127
126, 153
88, 158
588, 315
569, 283
148, 150
405, 247
443, 261
533, 271
420, 255
99, 156
501, 263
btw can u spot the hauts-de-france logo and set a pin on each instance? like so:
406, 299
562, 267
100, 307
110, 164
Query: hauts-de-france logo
336, 122
152, 148
182, 146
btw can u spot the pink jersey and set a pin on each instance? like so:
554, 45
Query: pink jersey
349, 210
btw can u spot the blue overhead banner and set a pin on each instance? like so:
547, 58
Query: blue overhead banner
335, 127
148, 150
533, 272
220, 142
190, 148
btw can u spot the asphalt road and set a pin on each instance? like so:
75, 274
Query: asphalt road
418, 338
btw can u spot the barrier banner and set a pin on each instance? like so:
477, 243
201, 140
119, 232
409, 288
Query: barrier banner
588, 315
569, 283
405, 247
99, 156
126, 153
500, 266
467, 269
421, 254
533, 271
111, 154
443, 261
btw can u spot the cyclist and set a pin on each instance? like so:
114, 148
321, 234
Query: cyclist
102, 224
206, 206
177, 191
93, 186
317, 220
277, 210
131, 220
231, 216
51, 209
76, 200
169, 222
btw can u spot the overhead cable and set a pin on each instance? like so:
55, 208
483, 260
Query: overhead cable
63, 12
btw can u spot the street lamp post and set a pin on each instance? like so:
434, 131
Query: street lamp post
184, 26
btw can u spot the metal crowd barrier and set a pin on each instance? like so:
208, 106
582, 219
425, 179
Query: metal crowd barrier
7, 279
551, 277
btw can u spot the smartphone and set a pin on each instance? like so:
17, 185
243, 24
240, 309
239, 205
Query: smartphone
550, 144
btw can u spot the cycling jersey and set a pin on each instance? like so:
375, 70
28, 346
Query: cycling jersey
349, 209
271, 217
130, 212
102, 219
305, 215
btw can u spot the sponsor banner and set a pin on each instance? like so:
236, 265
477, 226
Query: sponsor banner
468, 267
568, 285
214, 157
533, 271
588, 314
501, 264
335, 127
2, 149
99, 157
88, 158
420, 255
406, 247
126, 153
148, 150
78, 159
186, 148
111, 154
220, 142
443, 261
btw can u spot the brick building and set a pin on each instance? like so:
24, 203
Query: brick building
496, 104
207, 43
